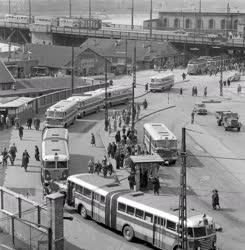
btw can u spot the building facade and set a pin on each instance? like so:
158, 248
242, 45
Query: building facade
206, 22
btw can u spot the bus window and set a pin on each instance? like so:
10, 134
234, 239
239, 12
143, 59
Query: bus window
79, 189
121, 207
159, 221
50, 164
102, 199
171, 225
61, 164
190, 232
96, 197
87, 192
200, 231
148, 217
139, 213
130, 210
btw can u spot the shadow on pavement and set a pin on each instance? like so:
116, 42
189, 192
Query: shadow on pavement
79, 163
82, 126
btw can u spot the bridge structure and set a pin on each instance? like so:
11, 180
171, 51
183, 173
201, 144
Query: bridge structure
72, 36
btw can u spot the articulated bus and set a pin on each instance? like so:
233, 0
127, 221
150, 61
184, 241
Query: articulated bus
55, 154
158, 139
88, 103
161, 82
144, 216
62, 114
119, 95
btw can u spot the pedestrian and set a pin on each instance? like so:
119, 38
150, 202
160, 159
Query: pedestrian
205, 91
113, 150
239, 89
12, 152
97, 167
183, 76
156, 185
131, 181
192, 116
115, 124
109, 149
5, 156
25, 160
93, 140
146, 87
2, 119
29, 123
195, 91
119, 121
17, 122
91, 166
21, 132
215, 199
124, 130
118, 137
145, 104
118, 159
37, 154
228, 82
181, 91
8, 122
110, 168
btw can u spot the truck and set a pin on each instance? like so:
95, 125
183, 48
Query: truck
231, 121
200, 109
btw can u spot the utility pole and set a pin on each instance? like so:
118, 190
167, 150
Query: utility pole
151, 20
72, 71
70, 8
221, 78
133, 86
182, 231
132, 15
106, 103
126, 56
90, 14
30, 11
9, 7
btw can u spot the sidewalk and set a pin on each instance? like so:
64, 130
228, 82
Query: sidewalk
26, 183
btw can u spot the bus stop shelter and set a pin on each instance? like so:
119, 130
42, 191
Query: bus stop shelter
146, 167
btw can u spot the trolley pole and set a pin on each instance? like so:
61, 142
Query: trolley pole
72, 71
133, 86
151, 19
70, 8
29, 11
182, 199
106, 103
132, 15
90, 14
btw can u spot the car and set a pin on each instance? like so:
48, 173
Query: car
200, 109
234, 77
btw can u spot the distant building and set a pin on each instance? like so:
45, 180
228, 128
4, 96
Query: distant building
7, 81
206, 22
148, 54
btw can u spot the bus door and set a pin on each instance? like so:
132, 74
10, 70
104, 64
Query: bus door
95, 206
158, 232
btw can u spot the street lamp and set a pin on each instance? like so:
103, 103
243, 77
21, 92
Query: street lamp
106, 103
221, 73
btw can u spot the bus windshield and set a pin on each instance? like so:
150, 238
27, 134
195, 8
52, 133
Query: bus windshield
54, 114
200, 232
61, 164
49, 164
166, 144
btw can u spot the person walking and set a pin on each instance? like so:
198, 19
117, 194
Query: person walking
93, 144
183, 76
205, 91
97, 167
156, 185
29, 123
215, 199
145, 104
131, 181
12, 152
21, 132
192, 117
113, 150
5, 156
91, 166
37, 154
25, 160
110, 168
181, 91
109, 149
8, 122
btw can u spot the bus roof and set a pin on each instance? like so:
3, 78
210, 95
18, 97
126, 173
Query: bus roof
55, 133
159, 131
165, 205
162, 75
62, 105
50, 147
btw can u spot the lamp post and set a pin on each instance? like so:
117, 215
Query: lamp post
133, 86
151, 19
132, 15
90, 14
106, 103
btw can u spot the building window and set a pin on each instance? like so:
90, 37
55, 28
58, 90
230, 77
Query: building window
222, 24
176, 23
188, 24
211, 24
165, 22
199, 23
235, 24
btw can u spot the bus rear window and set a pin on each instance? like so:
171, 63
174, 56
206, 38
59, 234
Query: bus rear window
49, 164
61, 164
199, 231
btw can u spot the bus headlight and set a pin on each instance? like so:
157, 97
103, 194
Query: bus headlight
47, 175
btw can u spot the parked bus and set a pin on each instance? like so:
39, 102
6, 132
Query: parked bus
158, 139
119, 95
196, 66
55, 154
161, 82
145, 216
62, 114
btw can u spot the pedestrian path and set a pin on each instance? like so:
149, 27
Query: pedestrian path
27, 183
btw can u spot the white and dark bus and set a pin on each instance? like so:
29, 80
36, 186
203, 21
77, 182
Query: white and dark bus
144, 216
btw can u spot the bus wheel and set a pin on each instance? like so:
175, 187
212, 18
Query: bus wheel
128, 233
82, 211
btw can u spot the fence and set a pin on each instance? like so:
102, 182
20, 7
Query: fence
25, 221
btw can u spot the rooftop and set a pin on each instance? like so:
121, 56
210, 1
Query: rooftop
5, 75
